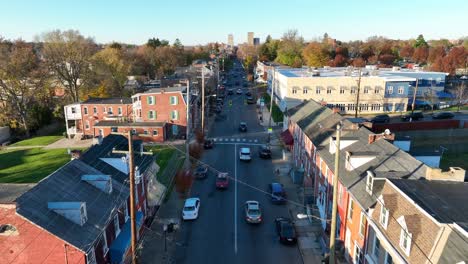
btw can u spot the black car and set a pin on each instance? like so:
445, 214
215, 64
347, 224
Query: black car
248, 93
264, 152
218, 109
230, 91
208, 144
243, 127
245, 85
381, 119
285, 230
250, 100
443, 115
201, 172
414, 116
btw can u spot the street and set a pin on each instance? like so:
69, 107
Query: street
221, 234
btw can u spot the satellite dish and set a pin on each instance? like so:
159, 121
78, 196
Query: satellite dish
124, 159
387, 132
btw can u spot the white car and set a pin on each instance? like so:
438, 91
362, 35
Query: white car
245, 154
191, 208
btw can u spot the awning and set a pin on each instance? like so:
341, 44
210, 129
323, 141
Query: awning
121, 244
287, 137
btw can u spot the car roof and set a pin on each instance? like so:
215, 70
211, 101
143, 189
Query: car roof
222, 175
191, 201
276, 186
243, 123
253, 204
245, 149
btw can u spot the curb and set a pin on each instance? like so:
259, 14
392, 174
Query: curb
300, 250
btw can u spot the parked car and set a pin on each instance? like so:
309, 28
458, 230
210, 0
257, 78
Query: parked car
208, 144
250, 100
285, 230
248, 93
191, 209
245, 154
222, 180
277, 193
218, 109
414, 116
443, 115
244, 84
239, 91
220, 101
230, 91
381, 119
243, 127
253, 213
201, 172
264, 152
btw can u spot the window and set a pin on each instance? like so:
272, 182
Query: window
294, 90
73, 110
340, 193
85, 110
363, 107
150, 100
317, 90
126, 211
376, 248
369, 183
405, 241
342, 89
116, 225
136, 196
104, 110
358, 257
173, 100
105, 248
145, 132
377, 90
366, 89
400, 89
388, 259
151, 114
351, 107
375, 107
329, 90
114, 129
353, 90
304, 90
400, 107
109, 110
101, 132
120, 111
390, 90
134, 131
362, 225
383, 216
95, 110
175, 115
350, 210
155, 132
388, 107
91, 257
87, 124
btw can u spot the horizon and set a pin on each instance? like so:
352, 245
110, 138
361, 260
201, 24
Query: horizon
139, 22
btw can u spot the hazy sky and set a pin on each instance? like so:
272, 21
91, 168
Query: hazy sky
202, 21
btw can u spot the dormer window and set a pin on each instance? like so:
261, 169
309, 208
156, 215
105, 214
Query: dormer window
384, 212
405, 236
369, 182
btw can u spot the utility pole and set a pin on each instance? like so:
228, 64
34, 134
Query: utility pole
357, 96
132, 197
414, 97
335, 195
203, 101
271, 101
187, 130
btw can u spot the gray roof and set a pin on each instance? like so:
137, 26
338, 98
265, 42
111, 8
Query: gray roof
65, 185
167, 89
10, 191
111, 123
113, 100
456, 249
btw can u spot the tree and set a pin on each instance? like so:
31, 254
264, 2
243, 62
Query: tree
67, 54
406, 52
21, 84
153, 42
420, 54
431, 97
112, 69
420, 42
290, 50
456, 58
339, 61
435, 53
461, 94
387, 59
177, 44
315, 55
359, 62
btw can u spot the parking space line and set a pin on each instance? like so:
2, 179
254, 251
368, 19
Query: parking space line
235, 198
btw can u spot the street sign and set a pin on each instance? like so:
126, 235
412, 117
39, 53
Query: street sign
270, 130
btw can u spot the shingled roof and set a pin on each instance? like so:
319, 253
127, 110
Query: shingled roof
111, 100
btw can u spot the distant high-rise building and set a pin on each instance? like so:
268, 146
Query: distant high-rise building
256, 41
231, 40
250, 38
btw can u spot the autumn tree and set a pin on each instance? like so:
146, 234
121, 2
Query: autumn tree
359, 62
290, 50
315, 54
435, 53
456, 58
406, 52
112, 68
420, 54
68, 55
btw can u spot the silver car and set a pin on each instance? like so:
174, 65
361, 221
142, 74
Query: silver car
253, 213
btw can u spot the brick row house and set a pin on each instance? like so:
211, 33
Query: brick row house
367, 160
79, 213
155, 115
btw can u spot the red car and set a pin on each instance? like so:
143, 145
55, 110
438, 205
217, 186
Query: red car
222, 181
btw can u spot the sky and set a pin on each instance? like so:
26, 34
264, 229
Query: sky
202, 21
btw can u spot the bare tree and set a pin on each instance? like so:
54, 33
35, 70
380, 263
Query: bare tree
461, 94
430, 96
67, 55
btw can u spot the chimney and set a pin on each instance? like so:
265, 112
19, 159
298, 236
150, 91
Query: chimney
385, 135
453, 174
75, 154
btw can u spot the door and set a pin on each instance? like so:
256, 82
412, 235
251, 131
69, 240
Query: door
175, 130
347, 244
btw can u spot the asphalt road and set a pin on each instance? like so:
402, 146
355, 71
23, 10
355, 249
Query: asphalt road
221, 234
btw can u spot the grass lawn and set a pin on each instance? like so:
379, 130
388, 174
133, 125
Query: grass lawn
163, 155
454, 160
30, 165
276, 112
37, 141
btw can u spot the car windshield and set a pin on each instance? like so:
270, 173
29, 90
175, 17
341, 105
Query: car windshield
279, 194
189, 208
245, 152
254, 212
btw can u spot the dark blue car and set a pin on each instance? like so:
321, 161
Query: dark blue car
277, 193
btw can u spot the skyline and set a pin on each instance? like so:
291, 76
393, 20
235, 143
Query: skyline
137, 23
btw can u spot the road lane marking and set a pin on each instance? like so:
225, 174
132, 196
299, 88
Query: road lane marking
238, 139
235, 198
244, 139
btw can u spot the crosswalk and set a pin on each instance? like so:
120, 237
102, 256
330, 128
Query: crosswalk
235, 140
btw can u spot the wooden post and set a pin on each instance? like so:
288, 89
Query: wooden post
132, 198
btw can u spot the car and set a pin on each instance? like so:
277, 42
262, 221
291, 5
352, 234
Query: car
245, 154
222, 180
380, 119
208, 144
250, 100
264, 152
191, 208
243, 127
277, 193
237, 83
414, 116
218, 109
443, 115
285, 230
201, 172
219, 101
253, 212
244, 85
239, 91
230, 91
248, 93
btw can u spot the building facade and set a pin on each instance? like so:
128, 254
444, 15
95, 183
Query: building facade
230, 40
250, 38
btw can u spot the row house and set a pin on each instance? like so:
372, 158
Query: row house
79, 213
155, 115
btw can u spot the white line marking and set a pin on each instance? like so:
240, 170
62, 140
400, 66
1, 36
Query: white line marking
235, 198
238, 139
232, 139
250, 140
244, 139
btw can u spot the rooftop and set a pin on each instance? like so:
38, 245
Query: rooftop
111, 123
9, 192
113, 100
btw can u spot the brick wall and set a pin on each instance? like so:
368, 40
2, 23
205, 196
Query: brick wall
140, 131
91, 118
163, 108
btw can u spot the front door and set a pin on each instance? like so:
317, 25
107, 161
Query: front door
175, 130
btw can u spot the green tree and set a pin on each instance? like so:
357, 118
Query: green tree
290, 50
420, 42
316, 55
111, 65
